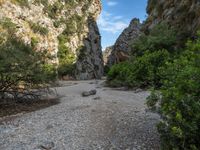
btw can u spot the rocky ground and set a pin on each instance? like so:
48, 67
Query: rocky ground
112, 119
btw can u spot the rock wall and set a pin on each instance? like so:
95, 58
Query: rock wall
106, 54
61, 27
184, 15
122, 47
90, 62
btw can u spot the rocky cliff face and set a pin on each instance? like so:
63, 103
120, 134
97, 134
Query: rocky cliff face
122, 47
66, 29
90, 63
106, 54
181, 14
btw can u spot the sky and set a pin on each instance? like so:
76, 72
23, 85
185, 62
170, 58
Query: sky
116, 16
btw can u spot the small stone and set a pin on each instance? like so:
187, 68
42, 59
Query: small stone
126, 88
138, 90
89, 93
97, 98
49, 127
47, 146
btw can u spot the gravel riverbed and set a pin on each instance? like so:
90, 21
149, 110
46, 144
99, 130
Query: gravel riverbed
110, 120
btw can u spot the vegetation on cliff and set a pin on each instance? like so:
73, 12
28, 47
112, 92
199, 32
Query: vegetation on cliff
22, 69
60, 27
150, 52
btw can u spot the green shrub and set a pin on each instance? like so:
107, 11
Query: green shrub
66, 57
21, 65
180, 101
53, 10
21, 2
106, 69
38, 29
141, 72
160, 37
117, 76
34, 42
66, 69
7, 24
43, 2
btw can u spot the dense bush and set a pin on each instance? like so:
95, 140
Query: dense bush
148, 56
22, 2
160, 37
66, 57
38, 29
140, 72
21, 68
66, 69
179, 100
43, 2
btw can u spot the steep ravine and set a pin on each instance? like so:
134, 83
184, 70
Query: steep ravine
66, 29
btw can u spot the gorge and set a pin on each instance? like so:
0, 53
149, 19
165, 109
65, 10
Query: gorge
53, 93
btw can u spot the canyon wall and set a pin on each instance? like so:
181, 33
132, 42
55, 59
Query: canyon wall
66, 29
120, 51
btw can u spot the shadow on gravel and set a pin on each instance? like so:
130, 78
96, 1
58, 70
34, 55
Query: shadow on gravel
12, 108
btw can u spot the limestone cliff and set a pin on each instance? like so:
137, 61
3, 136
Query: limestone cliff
184, 15
122, 47
106, 54
90, 62
66, 29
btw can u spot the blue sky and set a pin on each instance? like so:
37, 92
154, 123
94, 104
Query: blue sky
116, 15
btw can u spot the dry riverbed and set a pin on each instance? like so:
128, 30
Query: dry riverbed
110, 120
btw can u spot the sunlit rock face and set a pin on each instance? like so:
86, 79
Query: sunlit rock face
184, 15
122, 47
106, 54
66, 29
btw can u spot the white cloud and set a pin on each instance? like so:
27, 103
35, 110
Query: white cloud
109, 23
117, 17
111, 3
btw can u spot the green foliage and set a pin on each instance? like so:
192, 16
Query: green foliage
34, 42
140, 72
180, 100
7, 24
160, 37
21, 65
81, 52
150, 52
66, 69
106, 69
52, 10
66, 57
43, 2
21, 68
38, 29
21, 2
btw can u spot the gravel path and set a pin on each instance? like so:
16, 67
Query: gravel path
110, 120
